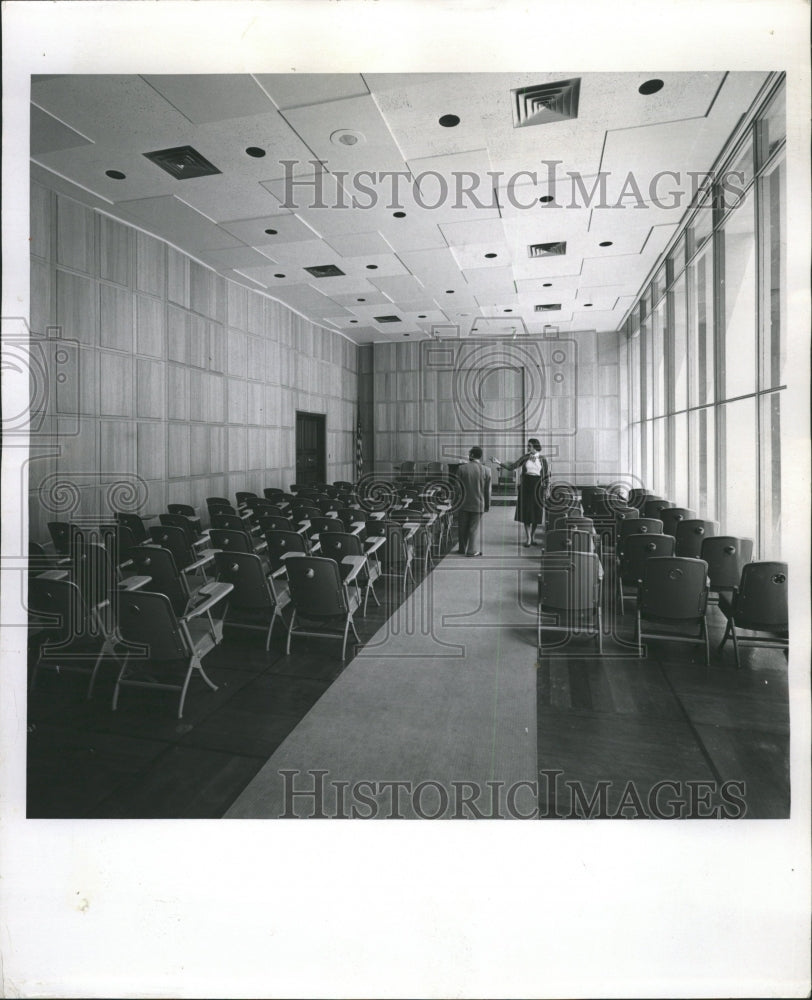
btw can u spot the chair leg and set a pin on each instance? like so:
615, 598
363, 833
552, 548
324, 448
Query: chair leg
600, 631
638, 636
344, 643
185, 687
118, 681
735, 643
725, 636
620, 592
290, 632
707, 643
205, 676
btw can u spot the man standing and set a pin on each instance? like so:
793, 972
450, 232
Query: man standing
475, 479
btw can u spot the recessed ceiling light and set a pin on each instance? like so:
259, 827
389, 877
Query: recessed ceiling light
372, 267
449, 121
587, 305
490, 255
449, 291
407, 335
545, 199
399, 215
650, 87
605, 243
272, 232
547, 284
115, 175
353, 321
360, 300
422, 316
279, 275
347, 137
255, 151
508, 310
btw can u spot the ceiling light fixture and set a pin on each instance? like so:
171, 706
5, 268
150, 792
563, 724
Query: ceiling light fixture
606, 243
280, 276
490, 255
272, 232
255, 151
449, 121
547, 284
347, 137
399, 215
650, 87
115, 175
545, 199
372, 267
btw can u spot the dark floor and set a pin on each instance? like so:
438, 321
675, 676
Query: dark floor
614, 729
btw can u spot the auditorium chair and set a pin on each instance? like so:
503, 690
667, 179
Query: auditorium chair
673, 593
254, 593
146, 619
337, 545
690, 535
633, 553
726, 557
653, 506
318, 594
569, 589
671, 516
759, 604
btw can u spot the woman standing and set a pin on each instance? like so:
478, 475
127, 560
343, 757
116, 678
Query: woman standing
532, 489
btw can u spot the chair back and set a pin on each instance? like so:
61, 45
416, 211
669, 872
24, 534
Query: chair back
174, 539
326, 504
230, 540
591, 494
673, 588
316, 590
182, 508
761, 602
280, 543
61, 533
304, 509
179, 521
243, 570
671, 517
272, 492
348, 516
638, 496
726, 557
275, 522
60, 604
568, 540
626, 514
119, 542
322, 524
638, 549
344, 485
690, 535
159, 564
146, 618
229, 521
244, 495
135, 524
218, 502
337, 544
570, 581
637, 526
394, 553
574, 522
653, 506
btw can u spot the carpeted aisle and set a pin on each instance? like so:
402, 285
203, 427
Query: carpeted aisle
436, 717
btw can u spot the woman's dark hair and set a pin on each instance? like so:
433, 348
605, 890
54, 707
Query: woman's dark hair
535, 443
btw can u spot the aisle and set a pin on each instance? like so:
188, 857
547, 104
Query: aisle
437, 714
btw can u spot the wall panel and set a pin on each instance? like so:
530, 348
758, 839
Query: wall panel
179, 377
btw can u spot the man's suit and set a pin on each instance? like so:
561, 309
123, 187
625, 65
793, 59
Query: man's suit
475, 479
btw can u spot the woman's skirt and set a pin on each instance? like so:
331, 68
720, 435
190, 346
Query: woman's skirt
530, 504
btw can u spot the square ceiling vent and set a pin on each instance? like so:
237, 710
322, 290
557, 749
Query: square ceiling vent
325, 271
547, 249
545, 103
182, 162
546, 307
387, 319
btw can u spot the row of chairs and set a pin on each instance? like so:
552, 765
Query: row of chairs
672, 575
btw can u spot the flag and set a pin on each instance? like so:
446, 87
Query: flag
359, 450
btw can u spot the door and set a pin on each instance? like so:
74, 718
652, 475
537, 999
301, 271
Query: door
311, 435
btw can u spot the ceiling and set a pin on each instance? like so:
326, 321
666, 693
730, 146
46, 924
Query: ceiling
458, 261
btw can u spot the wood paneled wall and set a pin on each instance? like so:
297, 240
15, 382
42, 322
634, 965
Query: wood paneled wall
432, 400
161, 380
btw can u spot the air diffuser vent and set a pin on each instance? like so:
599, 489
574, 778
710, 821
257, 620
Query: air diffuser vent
182, 162
325, 271
547, 307
547, 249
547, 102
387, 319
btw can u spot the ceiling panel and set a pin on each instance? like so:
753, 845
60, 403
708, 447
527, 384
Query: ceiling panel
212, 97
85, 125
